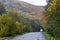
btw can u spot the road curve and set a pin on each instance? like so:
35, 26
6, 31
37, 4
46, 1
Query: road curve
29, 36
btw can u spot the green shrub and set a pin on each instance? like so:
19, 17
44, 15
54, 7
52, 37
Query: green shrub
2, 38
7, 26
53, 18
48, 36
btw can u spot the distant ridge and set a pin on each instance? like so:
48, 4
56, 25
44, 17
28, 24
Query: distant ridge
26, 8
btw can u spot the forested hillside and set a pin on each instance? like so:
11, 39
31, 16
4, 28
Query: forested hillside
13, 22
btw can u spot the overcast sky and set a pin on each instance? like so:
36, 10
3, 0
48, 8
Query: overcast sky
36, 2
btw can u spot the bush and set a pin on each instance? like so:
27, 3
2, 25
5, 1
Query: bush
2, 38
48, 36
7, 26
53, 18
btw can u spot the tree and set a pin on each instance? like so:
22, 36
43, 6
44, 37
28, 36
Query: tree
7, 26
2, 9
20, 27
53, 18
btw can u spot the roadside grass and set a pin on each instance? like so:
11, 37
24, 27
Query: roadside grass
48, 36
3, 38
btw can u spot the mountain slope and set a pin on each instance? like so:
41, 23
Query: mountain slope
26, 8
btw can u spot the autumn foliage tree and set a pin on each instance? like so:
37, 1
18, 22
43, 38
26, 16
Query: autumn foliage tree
7, 25
53, 18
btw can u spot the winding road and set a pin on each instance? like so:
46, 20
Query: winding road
29, 36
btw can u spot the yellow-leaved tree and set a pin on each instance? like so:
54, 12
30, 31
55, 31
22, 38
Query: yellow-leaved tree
53, 18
